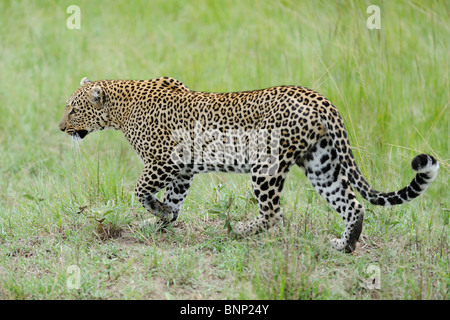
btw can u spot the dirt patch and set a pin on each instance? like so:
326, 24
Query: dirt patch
105, 232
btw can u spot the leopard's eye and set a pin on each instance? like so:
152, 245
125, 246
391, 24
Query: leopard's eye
72, 112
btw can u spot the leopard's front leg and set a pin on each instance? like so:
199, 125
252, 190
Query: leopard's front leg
146, 189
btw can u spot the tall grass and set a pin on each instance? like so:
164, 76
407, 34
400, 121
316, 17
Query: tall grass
59, 202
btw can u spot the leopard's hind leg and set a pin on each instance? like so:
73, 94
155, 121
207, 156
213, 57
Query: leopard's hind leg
267, 188
324, 171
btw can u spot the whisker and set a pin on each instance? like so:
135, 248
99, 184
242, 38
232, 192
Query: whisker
76, 143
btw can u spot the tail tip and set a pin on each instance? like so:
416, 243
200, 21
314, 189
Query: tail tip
424, 163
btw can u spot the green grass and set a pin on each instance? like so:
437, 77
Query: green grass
64, 205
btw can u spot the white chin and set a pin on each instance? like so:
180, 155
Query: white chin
76, 137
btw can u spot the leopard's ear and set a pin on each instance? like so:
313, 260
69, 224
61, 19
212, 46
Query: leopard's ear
84, 81
96, 96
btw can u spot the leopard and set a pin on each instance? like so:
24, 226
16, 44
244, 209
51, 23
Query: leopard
178, 133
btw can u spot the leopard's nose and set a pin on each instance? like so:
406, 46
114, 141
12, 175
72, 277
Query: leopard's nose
62, 127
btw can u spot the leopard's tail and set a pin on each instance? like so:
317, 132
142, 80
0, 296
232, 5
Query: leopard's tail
425, 166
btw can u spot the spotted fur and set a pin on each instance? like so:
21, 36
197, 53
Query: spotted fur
296, 125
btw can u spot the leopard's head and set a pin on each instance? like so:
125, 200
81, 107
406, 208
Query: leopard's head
86, 110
